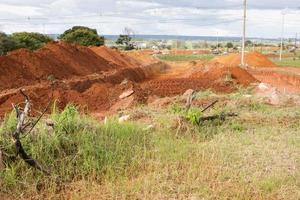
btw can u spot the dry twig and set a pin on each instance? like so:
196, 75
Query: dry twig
21, 116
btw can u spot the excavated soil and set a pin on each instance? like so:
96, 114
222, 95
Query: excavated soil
252, 59
95, 78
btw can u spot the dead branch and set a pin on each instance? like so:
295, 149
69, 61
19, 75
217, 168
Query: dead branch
221, 117
209, 106
189, 101
21, 115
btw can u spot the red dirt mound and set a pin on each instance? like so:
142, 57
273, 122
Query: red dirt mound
116, 57
219, 73
62, 60
253, 59
144, 57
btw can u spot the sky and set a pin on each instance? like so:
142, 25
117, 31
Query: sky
153, 17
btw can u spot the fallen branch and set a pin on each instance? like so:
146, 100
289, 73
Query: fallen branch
21, 115
221, 117
209, 106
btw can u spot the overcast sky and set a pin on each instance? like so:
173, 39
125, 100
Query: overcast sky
160, 17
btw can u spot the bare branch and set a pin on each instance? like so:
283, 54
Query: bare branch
16, 136
210, 105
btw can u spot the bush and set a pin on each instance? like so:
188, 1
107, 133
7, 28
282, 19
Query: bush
229, 45
6, 44
125, 40
30, 41
83, 36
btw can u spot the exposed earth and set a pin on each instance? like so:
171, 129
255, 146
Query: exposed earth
96, 78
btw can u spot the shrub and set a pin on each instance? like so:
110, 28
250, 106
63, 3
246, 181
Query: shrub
6, 44
30, 41
83, 36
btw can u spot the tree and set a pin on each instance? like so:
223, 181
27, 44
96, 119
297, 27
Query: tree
6, 44
30, 41
83, 36
248, 43
229, 45
126, 39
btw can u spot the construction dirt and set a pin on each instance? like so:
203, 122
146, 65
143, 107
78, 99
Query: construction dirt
100, 79
252, 59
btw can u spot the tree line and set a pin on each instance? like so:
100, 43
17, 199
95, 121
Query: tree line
77, 35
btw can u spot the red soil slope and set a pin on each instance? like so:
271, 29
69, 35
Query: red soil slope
115, 57
24, 67
253, 59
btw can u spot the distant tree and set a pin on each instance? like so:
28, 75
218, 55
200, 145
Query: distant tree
126, 39
83, 36
229, 45
248, 43
6, 44
30, 41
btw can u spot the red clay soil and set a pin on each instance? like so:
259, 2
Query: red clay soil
94, 80
218, 77
144, 57
61, 60
252, 59
219, 73
115, 57
286, 80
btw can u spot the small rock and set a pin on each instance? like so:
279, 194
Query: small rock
124, 118
263, 86
124, 82
126, 94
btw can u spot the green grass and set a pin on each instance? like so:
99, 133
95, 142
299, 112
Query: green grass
185, 57
288, 62
253, 156
78, 148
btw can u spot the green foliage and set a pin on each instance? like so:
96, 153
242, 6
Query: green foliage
30, 41
126, 41
77, 148
6, 44
248, 43
229, 45
83, 36
193, 115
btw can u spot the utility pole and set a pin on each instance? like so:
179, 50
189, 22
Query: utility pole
296, 38
282, 34
244, 35
217, 43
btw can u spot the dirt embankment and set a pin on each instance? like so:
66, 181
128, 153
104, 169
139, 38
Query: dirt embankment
56, 60
252, 59
96, 77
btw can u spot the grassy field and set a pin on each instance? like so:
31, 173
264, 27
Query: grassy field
185, 57
288, 62
253, 156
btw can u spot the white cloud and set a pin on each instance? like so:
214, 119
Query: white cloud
184, 17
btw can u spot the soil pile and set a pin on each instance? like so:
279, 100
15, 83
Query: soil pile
253, 59
220, 73
116, 57
144, 57
59, 60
